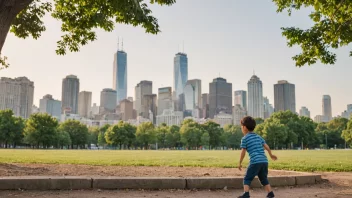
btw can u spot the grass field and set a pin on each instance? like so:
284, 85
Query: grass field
332, 160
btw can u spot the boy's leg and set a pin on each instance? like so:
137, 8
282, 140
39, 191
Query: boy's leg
263, 178
252, 171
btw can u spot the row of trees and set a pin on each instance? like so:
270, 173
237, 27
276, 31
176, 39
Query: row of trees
283, 130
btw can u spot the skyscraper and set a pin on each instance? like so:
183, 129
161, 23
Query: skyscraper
193, 94
126, 108
255, 97
205, 105
70, 90
84, 103
304, 112
164, 99
143, 88
50, 106
220, 97
284, 96
180, 73
120, 75
241, 98
17, 95
268, 108
326, 104
238, 113
107, 101
149, 109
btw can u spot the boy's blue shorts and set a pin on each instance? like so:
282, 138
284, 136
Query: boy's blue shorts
260, 170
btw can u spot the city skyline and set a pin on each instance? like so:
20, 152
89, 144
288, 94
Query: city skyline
230, 54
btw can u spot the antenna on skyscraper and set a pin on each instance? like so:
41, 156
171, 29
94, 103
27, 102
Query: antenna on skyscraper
118, 43
122, 43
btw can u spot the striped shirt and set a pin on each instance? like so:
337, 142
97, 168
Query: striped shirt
253, 143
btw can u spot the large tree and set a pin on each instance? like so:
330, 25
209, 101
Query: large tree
146, 134
347, 133
78, 133
11, 128
332, 28
80, 19
215, 131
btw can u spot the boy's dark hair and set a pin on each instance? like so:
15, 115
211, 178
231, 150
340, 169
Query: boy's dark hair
248, 122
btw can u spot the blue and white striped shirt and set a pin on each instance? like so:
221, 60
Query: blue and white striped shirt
253, 143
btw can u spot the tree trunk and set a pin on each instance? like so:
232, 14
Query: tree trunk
8, 11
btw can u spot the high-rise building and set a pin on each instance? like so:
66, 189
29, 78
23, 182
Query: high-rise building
268, 108
284, 96
94, 110
304, 112
36, 109
239, 112
84, 103
164, 99
347, 114
241, 98
170, 117
17, 95
223, 118
205, 105
180, 73
120, 75
320, 118
107, 101
70, 90
143, 88
326, 104
220, 97
50, 106
149, 109
126, 108
255, 97
193, 94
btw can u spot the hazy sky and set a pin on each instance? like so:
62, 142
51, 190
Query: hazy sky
230, 38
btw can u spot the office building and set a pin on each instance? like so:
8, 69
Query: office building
84, 103
255, 97
143, 88
321, 118
241, 98
205, 106
170, 117
193, 94
164, 99
50, 106
120, 75
180, 73
327, 109
149, 109
223, 119
108, 101
126, 109
284, 96
239, 112
70, 91
17, 95
220, 97
268, 108
94, 110
304, 112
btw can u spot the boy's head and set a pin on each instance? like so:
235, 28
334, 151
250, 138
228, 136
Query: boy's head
247, 124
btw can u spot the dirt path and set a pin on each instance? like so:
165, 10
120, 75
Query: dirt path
128, 171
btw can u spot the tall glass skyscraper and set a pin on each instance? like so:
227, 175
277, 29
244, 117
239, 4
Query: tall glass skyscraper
255, 97
120, 75
180, 73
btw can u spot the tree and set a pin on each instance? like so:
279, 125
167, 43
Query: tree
41, 130
231, 138
335, 128
101, 136
80, 19
275, 134
11, 128
145, 134
347, 133
191, 133
161, 134
93, 135
173, 138
332, 29
117, 135
78, 133
215, 131
205, 139
131, 134
259, 120
63, 139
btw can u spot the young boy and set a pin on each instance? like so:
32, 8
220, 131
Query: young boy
258, 166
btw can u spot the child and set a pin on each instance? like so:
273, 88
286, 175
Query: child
258, 166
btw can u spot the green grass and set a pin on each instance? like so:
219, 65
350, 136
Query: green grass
332, 160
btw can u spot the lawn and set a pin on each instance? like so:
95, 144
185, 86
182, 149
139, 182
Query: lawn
317, 160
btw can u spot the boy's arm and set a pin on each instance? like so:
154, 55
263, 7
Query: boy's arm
273, 157
243, 154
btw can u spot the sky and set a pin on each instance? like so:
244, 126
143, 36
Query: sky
227, 38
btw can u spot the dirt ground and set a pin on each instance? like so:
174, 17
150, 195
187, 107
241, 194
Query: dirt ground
334, 185
128, 171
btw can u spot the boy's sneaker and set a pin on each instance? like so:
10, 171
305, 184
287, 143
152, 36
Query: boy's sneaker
270, 195
245, 195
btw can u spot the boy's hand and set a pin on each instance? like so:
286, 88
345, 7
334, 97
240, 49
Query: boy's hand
273, 157
240, 167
